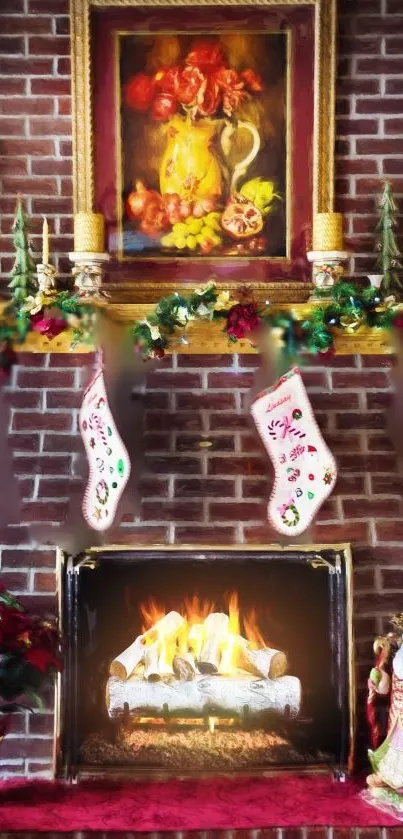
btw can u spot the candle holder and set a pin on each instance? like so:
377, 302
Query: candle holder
46, 275
327, 267
88, 272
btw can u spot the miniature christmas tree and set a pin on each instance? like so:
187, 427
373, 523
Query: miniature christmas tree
388, 260
23, 275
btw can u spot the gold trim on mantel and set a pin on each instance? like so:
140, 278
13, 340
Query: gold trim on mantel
206, 337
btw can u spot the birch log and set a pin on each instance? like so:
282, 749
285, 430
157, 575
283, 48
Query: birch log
166, 628
123, 665
205, 695
267, 662
216, 628
184, 667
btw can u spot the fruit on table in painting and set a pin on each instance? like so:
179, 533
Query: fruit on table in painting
202, 234
241, 218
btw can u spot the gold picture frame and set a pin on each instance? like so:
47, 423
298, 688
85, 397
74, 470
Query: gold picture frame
323, 163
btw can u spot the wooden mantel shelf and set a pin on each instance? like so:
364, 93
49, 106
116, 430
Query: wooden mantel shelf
206, 338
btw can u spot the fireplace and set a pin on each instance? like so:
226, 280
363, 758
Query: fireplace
196, 660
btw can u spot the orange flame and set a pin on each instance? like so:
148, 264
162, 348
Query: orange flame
252, 631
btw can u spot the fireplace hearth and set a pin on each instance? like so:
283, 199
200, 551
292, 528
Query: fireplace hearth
202, 660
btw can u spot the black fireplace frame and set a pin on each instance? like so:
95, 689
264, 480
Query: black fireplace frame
334, 560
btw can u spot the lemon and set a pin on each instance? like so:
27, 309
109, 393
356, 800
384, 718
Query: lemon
180, 229
191, 242
195, 225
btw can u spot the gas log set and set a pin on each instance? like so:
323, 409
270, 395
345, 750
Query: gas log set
196, 663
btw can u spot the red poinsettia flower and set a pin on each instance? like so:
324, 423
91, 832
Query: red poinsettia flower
42, 659
232, 87
208, 97
139, 92
253, 81
51, 327
190, 83
242, 318
206, 55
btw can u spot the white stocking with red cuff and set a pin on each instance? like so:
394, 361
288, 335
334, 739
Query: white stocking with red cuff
109, 464
305, 470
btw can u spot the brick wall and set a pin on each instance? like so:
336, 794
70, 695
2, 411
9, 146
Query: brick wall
214, 494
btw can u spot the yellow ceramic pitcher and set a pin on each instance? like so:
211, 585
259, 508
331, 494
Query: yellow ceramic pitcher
190, 165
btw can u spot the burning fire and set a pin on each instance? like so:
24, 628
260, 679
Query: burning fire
192, 635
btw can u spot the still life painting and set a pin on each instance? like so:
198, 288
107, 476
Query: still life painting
203, 144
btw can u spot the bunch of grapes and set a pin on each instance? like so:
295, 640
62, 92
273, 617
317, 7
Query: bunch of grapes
202, 234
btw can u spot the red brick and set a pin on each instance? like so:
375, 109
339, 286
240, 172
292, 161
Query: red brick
11, 46
153, 486
360, 379
38, 45
394, 86
51, 7
33, 148
43, 511
62, 25
64, 107
350, 485
62, 443
367, 462
224, 360
207, 400
30, 186
237, 466
387, 146
337, 533
260, 534
51, 379
173, 464
255, 488
42, 465
54, 487
352, 127
63, 67
12, 127
231, 380
195, 442
392, 578
14, 747
26, 66
140, 535
334, 401
359, 508
41, 724
44, 581
15, 580
240, 511
157, 442
51, 87
72, 359
204, 487
30, 421
379, 443
389, 531
394, 126
49, 126
26, 487
355, 421
28, 557
49, 166
204, 535
357, 167
381, 105
355, 87
387, 484
379, 400
376, 603
63, 399
394, 166
168, 421
14, 535
167, 381
26, 25
15, 166
24, 399
172, 511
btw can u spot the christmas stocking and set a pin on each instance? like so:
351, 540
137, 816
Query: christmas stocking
109, 463
305, 471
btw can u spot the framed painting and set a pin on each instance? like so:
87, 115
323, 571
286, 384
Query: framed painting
204, 134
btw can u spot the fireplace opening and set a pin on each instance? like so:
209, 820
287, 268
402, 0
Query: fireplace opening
203, 660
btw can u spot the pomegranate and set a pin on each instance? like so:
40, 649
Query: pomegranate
138, 200
241, 218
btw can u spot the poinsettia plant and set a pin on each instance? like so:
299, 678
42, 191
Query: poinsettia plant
203, 85
30, 655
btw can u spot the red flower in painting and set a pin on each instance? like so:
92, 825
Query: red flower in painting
232, 87
206, 55
190, 83
167, 80
242, 319
208, 97
163, 107
139, 92
253, 81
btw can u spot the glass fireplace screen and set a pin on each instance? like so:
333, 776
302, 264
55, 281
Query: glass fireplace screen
206, 660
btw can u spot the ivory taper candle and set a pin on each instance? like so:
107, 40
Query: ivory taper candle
89, 233
327, 232
45, 242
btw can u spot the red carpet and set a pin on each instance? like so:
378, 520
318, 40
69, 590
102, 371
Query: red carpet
223, 803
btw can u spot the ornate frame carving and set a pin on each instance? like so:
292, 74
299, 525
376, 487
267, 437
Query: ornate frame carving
324, 116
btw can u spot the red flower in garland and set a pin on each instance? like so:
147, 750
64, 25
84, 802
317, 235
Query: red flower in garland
242, 318
51, 327
398, 322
